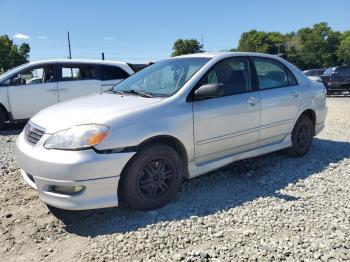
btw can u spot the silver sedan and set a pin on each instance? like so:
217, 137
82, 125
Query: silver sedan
179, 118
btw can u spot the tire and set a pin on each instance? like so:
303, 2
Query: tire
152, 178
2, 119
302, 136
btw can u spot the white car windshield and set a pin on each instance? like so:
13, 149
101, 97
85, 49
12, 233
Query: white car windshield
163, 78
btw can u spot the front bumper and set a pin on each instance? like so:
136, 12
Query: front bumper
98, 173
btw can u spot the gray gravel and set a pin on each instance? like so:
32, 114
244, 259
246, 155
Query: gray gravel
263, 209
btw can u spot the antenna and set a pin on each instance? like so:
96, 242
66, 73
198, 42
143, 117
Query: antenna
70, 52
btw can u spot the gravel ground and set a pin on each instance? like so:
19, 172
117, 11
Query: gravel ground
263, 209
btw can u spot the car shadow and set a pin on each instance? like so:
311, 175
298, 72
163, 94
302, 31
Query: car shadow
11, 129
226, 188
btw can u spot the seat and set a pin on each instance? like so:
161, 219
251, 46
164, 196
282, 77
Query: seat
238, 82
223, 71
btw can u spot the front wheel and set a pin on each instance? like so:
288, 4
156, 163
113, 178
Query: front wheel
302, 136
152, 178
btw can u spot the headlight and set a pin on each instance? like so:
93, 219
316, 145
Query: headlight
77, 138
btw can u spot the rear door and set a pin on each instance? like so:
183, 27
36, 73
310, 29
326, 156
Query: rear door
281, 98
32, 90
111, 75
77, 80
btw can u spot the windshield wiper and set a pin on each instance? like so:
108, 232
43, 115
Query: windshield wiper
140, 93
114, 91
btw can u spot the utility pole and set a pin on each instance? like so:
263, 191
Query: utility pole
103, 56
70, 52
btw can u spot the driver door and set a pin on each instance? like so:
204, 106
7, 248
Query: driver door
32, 90
228, 124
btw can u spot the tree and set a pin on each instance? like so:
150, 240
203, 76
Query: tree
186, 46
343, 51
262, 42
12, 55
315, 47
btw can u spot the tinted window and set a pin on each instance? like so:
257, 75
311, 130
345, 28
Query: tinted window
343, 71
272, 74
112, 72
232, 73
35, 75
78, 72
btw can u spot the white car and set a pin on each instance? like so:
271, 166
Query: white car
31, 87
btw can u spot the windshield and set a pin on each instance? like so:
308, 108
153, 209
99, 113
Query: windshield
9, 72
329, 71
163, 78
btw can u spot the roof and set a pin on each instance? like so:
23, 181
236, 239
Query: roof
227, 54
79, 61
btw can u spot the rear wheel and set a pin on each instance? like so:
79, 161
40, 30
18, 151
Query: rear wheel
152, 178
2, 119
302, 136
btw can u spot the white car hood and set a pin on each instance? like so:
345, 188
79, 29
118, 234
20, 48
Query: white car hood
88, 109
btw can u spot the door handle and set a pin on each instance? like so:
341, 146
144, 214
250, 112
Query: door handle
253, 101
296, 93
51, 90
62, 89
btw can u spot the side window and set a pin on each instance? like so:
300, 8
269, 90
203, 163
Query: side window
6, 82
272, 74
112, 72
78, 72
343, 71
232, 73
35, 75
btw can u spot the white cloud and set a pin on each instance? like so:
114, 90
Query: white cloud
109, 38
42, 37
21, 36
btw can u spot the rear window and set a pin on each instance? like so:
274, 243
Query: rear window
78, 72
112, 72
272, 73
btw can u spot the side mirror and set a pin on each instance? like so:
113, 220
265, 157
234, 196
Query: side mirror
209, 91
17, 81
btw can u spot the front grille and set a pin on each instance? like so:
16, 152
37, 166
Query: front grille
33, 134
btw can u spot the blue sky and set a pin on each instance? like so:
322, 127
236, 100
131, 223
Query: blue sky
141, 31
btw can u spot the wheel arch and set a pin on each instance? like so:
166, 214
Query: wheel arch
167, 140
310, 113
7, 114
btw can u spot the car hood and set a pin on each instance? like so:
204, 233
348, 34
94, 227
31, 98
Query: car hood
89, 109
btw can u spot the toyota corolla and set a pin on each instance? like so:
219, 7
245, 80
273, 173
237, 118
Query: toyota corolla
177, 119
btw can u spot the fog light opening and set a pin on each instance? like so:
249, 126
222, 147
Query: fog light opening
67, 189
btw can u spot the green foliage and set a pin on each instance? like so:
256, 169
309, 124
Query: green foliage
186, 46
12, 55
343, 51
316, 47
262, 42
